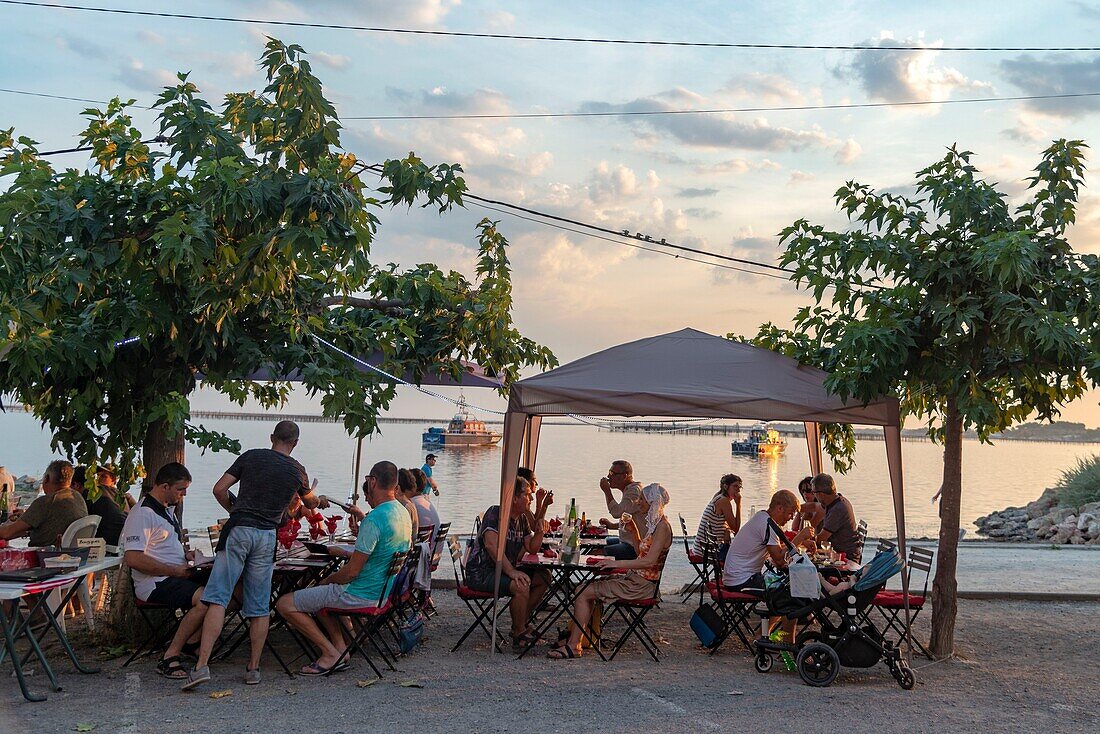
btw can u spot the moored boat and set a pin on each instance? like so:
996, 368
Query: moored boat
463, 430
762, 441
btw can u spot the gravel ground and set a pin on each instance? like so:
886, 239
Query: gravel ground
1026, 669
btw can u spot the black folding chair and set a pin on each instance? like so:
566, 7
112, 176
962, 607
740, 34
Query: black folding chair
161, 622
369, 623
735, 607
480, 603
891, 604
696, 562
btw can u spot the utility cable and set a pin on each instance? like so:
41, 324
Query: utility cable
558, 39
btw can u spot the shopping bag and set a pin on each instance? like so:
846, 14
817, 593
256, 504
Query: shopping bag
805, 583
708, 625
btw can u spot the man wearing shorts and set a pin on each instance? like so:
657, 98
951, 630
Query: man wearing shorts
269, 480
158, 561
363, 581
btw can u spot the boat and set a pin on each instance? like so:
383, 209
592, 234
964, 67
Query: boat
463, 430
762, 441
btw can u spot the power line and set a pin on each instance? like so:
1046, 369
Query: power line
717, 111
643, 113
558, 39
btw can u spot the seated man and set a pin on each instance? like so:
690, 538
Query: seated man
158, 562
523, 533
362, 581
50, 515
112, 518
839, 525
745, 558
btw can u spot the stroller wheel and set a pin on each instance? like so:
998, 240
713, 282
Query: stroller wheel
818, 664
763, 662
805, 637
905, 677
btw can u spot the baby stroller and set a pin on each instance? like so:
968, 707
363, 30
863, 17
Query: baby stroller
847, 635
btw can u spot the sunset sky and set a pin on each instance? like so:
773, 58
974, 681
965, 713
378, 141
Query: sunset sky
725, 183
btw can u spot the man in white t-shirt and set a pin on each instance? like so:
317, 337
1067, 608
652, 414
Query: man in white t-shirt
756, 538
159, 562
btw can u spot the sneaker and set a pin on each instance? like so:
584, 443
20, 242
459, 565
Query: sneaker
196, 677
251, 677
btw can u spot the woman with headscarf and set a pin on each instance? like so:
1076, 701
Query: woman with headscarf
652, 536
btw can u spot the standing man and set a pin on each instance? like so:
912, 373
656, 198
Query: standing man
159, 562
269, 480
362, 581
621, 477
839, 525
429, 462
51, 514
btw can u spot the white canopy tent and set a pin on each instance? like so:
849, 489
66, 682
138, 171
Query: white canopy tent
689, 373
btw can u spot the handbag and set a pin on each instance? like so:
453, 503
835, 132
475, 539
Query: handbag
708, 626
803, 574
410, 632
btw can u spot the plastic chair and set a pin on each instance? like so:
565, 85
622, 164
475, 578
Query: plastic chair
85, 527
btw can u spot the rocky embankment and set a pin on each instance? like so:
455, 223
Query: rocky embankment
1044, 521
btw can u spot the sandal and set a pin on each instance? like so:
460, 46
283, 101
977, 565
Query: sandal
564, 652
313, 669
172, 668
525, 638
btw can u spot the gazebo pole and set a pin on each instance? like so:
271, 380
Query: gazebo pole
892, 435
355, 471
813, 444
516, 426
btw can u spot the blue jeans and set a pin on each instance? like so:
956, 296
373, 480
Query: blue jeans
620, 550
249, 552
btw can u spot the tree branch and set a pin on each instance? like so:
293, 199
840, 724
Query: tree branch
378, 304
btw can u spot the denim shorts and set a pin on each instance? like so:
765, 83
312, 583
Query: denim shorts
249, 552
328, 596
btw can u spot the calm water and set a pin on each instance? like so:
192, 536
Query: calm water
572, 459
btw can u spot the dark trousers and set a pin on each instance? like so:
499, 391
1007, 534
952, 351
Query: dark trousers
619, 550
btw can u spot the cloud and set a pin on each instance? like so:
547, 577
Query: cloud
1056, 75
442, 101
608, 184
737, 165
702, 213
332, 61
1087, 10
499, 20
747, 246
721, 131
771, 89
848, 152
151, 37
905, 76
82, 47
693, 193
136, 76
419, 13
800, 177
1026, 129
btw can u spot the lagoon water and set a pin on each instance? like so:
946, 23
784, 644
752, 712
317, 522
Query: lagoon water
572, 458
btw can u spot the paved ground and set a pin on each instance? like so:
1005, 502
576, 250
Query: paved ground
1030, 668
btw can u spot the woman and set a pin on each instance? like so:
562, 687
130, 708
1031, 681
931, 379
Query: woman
406, 486
722, 516
643, 573
811, 512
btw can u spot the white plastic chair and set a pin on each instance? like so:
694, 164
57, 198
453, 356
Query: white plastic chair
85, 527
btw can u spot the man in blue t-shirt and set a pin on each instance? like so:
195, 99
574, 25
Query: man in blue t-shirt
429, 462
363, 581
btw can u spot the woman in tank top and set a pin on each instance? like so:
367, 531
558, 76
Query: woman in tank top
722, 516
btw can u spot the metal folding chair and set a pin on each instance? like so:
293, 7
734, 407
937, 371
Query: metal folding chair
696, 562
891, 603
368, 623
158, 633
480, 603
735, 607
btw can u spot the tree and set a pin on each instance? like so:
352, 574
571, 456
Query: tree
233, 251
976, 314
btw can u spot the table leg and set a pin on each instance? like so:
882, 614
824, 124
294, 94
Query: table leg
9, 647
51, 617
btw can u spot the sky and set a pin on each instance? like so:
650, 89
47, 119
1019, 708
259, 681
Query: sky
725, 183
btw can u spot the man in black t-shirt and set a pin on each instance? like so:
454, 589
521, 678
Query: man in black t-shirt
269, 479
839, 526
112, 518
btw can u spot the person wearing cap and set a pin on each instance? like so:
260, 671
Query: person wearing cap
112, 518
429, 462
107, 478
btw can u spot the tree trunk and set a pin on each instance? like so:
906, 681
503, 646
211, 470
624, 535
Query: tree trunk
945, 587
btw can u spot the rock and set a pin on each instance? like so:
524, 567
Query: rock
993, 523
1039, 523
1093, 530
1061, 513
1092, 508
1077, 540
1084, 519
1062, 536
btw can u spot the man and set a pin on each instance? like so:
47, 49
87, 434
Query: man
107, 479
362, 581
159, 562
620, 477
7, 493
839, 525
269, 480
50, 515
745, 558
523, 533
112, 519
429, 462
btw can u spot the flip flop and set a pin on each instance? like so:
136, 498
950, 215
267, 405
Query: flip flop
313, 669
172, 668
341, 667
565, 652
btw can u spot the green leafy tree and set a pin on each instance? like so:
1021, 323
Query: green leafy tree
977, 314
232, 250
